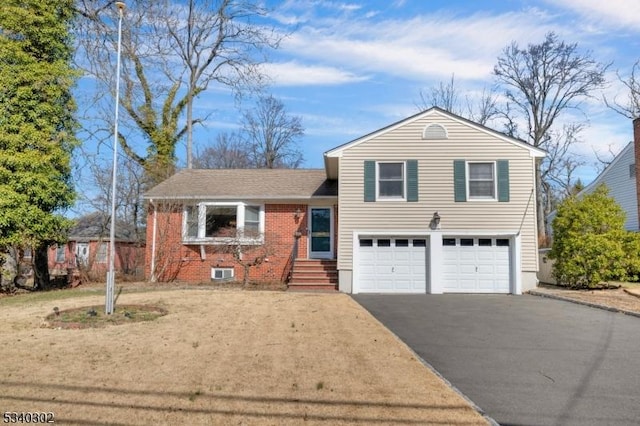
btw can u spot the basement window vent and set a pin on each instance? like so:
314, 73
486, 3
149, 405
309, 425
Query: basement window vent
219, 274
434, 131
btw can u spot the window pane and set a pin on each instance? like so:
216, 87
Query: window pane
101, 254
251, 221
448, 241
391, 180
419, 243
366, 243
384, 243
60, 254
468, 242
402, 243
391, 171
220, 221
191, 213
484, 242
481, 171
391, 189
481, 189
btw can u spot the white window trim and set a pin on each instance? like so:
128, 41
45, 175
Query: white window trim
240, 212
61, 255
495, 182
404, 182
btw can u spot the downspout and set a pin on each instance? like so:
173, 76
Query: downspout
153, 242
524, 215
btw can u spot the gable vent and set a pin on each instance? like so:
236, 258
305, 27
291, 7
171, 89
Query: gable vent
434, 131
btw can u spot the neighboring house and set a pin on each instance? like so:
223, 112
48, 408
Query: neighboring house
621, 178
87, 248
431, 204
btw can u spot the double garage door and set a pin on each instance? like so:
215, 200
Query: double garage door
400, 265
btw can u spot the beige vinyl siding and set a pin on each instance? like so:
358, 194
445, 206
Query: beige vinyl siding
435, 177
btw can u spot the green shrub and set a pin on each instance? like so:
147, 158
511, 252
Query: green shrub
590, 244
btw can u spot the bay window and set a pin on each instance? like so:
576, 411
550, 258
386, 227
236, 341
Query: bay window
217, 223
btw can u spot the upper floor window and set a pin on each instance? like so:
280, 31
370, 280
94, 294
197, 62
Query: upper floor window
482, 180
390, 180
219, 222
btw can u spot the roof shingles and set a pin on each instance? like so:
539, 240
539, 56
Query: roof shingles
245, 184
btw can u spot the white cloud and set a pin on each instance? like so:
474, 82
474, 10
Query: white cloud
435, 47
293, 73
615, 13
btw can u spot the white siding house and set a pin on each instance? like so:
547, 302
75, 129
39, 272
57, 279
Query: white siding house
620, 179
436, 203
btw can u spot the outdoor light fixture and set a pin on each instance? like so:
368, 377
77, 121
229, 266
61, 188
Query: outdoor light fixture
298, 214
111, 274
435, 221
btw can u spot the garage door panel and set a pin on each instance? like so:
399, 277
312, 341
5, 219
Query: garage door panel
483, 267
392, 265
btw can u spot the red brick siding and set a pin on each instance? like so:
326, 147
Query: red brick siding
185, 263
129, 257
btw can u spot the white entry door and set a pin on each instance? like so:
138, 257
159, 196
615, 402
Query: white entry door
82, 254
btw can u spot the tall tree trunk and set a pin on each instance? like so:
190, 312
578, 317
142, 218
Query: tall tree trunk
41, 279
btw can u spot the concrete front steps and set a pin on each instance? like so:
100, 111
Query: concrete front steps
314, 274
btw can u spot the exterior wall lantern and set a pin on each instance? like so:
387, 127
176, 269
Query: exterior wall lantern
435, 221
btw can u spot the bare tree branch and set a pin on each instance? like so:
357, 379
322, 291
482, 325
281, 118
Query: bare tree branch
630, 108
541, 82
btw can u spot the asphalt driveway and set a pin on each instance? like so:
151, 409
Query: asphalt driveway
524, 360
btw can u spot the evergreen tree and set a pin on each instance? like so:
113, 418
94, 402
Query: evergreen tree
37, 125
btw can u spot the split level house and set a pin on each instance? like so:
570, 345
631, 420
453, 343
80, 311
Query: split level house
433, 203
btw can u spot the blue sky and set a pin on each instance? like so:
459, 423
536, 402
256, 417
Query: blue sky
351, 67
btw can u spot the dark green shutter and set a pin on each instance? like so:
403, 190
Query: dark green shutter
459, 180
503, 180
412, 180
369, 181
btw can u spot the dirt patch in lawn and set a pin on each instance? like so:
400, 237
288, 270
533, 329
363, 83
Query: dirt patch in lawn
221, 357
95, 316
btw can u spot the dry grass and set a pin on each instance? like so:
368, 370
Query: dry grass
220, 357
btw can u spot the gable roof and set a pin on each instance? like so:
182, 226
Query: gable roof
607, 170
96, 226
331, 156
235, 184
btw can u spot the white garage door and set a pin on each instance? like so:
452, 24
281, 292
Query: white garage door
476, 265
392, 265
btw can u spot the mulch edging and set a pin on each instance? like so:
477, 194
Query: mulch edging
582, 302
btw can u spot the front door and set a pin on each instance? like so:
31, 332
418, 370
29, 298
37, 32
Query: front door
82, 254
321, 233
